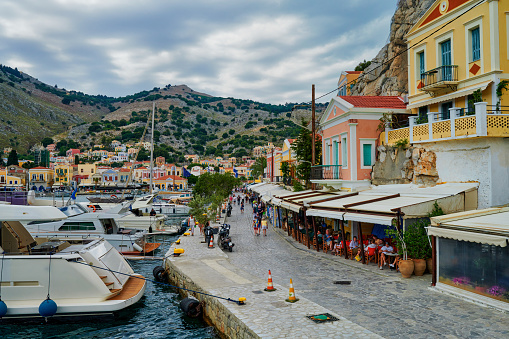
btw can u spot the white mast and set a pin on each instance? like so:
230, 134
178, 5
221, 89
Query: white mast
152, 147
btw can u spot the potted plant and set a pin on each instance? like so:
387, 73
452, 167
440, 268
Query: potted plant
418, 245
406, 267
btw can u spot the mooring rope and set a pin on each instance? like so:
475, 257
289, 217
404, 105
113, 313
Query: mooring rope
160, 283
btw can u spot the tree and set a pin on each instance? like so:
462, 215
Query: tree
46, 141
13, 158
258, 168
302, 148
362, 65
76, 159
285, 169
215, 184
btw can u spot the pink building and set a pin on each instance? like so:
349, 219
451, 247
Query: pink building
350, 131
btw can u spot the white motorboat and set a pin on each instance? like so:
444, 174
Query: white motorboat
82, 223
81, 276
144, 205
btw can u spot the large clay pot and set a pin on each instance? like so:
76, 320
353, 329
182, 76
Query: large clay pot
406, 267
419, 267
429, 265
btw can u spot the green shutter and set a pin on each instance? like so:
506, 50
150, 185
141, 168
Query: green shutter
366, 151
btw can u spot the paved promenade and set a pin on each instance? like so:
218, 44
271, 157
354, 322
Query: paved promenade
376, 304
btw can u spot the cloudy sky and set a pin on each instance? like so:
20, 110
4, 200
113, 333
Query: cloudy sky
270, 51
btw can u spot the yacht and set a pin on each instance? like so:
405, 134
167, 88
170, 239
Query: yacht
82, 276
82, 223
143, 206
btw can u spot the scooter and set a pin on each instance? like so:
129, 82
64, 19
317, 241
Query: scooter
229, 210
224, 240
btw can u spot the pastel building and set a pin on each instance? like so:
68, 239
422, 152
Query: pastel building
347, 81
349, 139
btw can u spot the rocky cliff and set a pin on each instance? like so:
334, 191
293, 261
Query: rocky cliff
388, 72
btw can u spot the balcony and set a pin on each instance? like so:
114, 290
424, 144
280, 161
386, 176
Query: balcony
326, 172
484, 122
439, 79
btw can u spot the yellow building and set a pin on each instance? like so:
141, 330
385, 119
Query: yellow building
63, 175
347, 81
40, 178
9, 180
450, 61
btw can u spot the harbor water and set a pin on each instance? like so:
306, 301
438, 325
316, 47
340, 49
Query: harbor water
156, 315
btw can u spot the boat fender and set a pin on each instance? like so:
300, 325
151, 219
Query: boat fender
159, 273
3, 308
137, 247
191, 307
48, 308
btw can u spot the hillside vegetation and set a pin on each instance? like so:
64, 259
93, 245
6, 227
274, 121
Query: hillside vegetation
186, 121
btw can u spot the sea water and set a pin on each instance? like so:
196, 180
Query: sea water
156, 315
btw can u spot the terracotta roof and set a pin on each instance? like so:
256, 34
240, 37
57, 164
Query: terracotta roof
393, 102
125, 170
353, 72
39, 167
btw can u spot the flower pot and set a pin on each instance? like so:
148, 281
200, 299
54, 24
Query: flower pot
406, 267
429, 265
419, 267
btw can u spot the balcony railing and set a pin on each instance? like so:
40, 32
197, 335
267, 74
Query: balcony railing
326, 172
439, 77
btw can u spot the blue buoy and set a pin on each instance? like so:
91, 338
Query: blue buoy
3, 308
48, 308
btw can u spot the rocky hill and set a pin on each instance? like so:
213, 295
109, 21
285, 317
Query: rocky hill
186, 121
388, 72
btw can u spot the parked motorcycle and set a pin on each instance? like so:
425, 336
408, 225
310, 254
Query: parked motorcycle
229, 210
224, 240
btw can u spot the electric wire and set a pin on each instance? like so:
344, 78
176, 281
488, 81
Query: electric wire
159, 282
403, 51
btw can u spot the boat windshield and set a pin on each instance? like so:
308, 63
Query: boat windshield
73, 210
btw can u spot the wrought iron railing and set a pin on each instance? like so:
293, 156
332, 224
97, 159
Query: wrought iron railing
322, 172
439, 74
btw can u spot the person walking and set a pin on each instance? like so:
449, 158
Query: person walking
242, 208
192, 223
265, 226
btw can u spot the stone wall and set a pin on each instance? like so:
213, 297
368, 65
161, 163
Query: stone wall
396, 165
215, 313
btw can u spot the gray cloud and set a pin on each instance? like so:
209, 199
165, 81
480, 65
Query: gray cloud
264, 50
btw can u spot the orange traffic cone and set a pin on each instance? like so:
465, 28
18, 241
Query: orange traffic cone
211, 242
269, 287
291, 297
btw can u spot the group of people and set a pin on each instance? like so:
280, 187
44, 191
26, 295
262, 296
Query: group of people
383, 249
260, 220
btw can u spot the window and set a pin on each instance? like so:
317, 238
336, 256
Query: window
366, 155
344, 153
422, 66
82, 170
335, 150
41, 177
445, 47
476, 44
342, 91
423, 115
77, 226
34, 176
444, 108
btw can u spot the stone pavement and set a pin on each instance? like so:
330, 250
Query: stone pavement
379, 301
266, 314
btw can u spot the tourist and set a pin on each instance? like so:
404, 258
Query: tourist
354, 247
387, 251
265, 226
242, 207
152, 213
191, 224
328, 239
371, 245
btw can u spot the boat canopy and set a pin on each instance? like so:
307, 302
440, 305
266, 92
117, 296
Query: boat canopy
29, 213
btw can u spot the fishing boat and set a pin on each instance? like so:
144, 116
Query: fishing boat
60, 277
82, 223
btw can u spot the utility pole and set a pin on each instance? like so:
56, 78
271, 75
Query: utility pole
312, 130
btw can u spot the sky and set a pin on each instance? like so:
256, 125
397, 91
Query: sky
268, 51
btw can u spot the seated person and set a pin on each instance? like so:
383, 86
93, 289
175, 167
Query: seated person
337, 247
377, 241
385, 253
371, 245
354, 246
319, 236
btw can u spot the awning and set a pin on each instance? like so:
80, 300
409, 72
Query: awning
360, 217
467, 236
276, 201
266, 198
461, 93
290, 206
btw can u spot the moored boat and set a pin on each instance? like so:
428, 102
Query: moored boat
81, 276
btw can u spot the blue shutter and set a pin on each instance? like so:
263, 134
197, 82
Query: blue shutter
421, 64
476, 44
366, 154
446, 60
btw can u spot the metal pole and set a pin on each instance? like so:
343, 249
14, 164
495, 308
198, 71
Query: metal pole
313, 155
152, 146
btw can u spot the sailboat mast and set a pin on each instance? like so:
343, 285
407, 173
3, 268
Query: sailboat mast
152, 147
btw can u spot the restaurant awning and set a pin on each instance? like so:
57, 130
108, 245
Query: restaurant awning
360, 217
290, 206
487, 226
